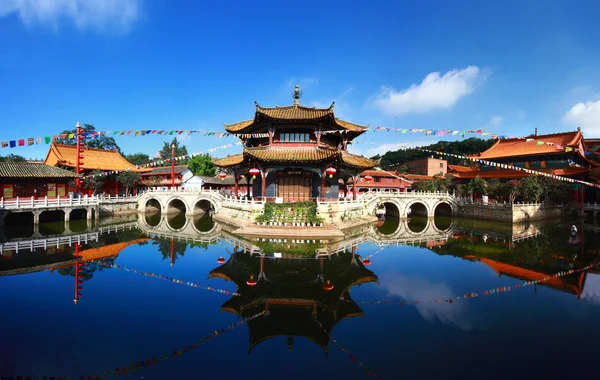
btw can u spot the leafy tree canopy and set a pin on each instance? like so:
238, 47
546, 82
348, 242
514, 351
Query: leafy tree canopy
468, 146
180, 150
98, 141
138, 158
12, 158
202, 165
129, 179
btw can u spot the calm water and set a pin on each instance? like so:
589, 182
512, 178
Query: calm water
122, 317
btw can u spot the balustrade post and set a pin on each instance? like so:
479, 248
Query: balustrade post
45, 200
58, 200
70, 200
2, 202
32, 203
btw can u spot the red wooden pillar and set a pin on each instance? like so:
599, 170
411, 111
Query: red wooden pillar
116, 187
322, 185
263, 184
236, 183
354, 187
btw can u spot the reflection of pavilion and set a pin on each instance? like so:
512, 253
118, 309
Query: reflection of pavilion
301, 295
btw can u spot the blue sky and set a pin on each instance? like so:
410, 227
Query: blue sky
502, 66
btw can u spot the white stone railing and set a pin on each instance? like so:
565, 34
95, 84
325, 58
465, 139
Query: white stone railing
179, 190
104, 199
591, 206
242, 201
48, 242
30, 202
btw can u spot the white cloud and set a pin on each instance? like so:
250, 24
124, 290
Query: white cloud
342, 109
416, 289
434, 92
84, 14
585, 115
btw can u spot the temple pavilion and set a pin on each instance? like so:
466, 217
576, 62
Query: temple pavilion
304, 297
295, 153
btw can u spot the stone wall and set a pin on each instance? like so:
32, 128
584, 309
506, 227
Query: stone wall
120, 208
510, 213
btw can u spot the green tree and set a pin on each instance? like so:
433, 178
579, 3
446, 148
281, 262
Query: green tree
202, 165
96, 181
403, 169
478, 186
99, 141
180, 150
129, 179
532, 189
164, 247
464, 147
12, 158
152, 181
513, 189
138, 158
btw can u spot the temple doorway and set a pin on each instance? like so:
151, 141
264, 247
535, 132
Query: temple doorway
296, 188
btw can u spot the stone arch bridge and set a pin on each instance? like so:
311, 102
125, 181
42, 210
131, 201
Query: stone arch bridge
194, 202
400, 204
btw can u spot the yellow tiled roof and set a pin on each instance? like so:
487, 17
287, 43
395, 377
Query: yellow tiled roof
232, 160
294, 112
66, 155
32, 169
358, 161
292, 154
351, 126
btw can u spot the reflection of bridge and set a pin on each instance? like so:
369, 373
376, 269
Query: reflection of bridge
188, 232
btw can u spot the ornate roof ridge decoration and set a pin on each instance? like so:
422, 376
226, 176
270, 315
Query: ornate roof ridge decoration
359, 161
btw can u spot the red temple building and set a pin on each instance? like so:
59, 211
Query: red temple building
371, 180
561, 154
295, 153
33, 179
65, 156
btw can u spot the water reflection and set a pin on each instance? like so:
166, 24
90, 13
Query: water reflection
304, 297
308, 287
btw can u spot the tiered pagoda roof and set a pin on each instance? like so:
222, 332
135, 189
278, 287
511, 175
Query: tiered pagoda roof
292, 290
294, 113
313, 154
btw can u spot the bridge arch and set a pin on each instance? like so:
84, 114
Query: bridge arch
175, 204
443, 207
421, 207
392, 208
204, 205
167, 223
152, 205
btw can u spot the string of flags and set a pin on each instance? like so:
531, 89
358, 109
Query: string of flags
353, 358
160, 162
510, 167
166, 278
29, 141
484, 293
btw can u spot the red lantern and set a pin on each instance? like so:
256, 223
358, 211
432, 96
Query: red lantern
251, 281
330, 172
221, 260
328, 286
254, 172
368, 178
367, 262
222, 175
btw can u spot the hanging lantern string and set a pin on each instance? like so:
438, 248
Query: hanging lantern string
166, 278
350, 356
176, 353
487, 292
